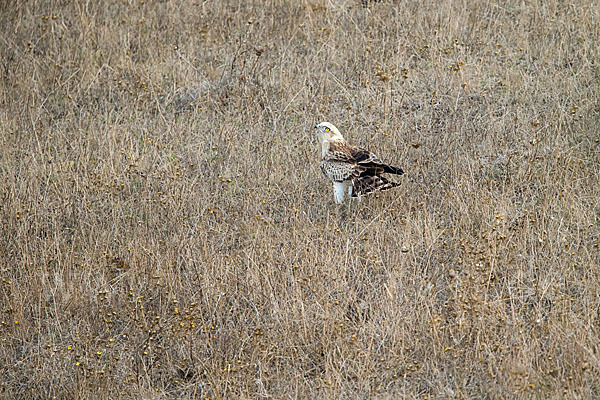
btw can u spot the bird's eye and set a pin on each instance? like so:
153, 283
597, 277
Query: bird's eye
327, 129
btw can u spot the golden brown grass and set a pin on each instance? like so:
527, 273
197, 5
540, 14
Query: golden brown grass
166, 231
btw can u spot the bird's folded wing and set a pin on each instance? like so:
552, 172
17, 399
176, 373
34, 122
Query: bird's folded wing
369, 164
342, 151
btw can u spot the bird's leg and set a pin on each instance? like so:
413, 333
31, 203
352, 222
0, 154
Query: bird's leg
350, 191
339, 192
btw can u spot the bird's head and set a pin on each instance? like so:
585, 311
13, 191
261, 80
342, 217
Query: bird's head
327, 131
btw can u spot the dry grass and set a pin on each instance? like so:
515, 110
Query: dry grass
166, 231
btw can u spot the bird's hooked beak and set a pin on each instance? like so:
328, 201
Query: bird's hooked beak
317, 129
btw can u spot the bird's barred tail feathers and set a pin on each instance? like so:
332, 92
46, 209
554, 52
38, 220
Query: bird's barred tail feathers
393, 170
368, 184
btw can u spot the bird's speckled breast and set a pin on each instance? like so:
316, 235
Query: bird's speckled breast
336, 171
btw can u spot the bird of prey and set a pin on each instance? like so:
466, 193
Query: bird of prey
353, 170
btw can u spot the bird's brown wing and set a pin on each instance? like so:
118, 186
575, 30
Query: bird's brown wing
367, 162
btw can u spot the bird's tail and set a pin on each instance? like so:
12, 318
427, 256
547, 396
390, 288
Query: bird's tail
378, 168
392, 170
367, 184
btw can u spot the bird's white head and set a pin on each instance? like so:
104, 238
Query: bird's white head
327, 132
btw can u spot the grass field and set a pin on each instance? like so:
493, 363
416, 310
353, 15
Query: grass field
167, 233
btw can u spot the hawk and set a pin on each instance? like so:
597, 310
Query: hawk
353, 170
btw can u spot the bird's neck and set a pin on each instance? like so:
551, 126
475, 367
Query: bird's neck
324, 148
326, 145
